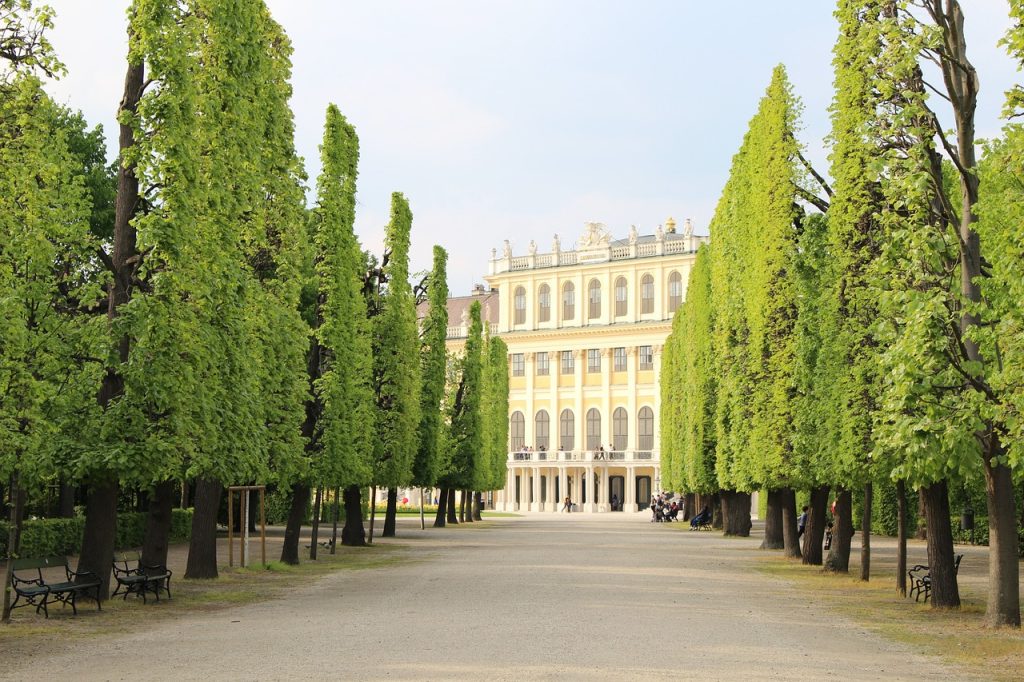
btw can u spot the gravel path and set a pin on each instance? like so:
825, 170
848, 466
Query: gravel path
538, 597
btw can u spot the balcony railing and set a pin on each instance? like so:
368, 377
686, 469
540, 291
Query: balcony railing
582, 455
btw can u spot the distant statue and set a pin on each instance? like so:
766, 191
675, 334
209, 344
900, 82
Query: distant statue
533, 248
659, 234
465, 316
632, 234
507, 250
594, 235
494, 253
687, 228
557, 245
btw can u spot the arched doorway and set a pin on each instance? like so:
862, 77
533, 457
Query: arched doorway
617, 488
643, 492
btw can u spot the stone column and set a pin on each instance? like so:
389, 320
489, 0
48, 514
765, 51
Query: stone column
656, 445
632, 360
579, 423
606, 391
591, 505
552, 498
525, 487
530, 417
536, 475
563, 487
606, 497
630, 492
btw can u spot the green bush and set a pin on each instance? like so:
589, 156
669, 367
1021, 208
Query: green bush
59, 537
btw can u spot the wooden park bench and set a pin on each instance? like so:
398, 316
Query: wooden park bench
37, 591
921, 579
138, 579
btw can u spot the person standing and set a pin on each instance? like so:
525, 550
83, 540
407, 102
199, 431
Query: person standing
567, 507
801, 523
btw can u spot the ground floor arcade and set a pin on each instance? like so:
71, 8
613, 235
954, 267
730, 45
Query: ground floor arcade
591, 486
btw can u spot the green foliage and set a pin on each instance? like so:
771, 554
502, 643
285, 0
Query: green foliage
428, 462
343, 433
60, 537
47, 342
492, 467
396, 361
465, 440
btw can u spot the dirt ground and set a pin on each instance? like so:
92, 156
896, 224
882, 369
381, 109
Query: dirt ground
542, 596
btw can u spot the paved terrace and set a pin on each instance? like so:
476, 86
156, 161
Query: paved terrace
542, 596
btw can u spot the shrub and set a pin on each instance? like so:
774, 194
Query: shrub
60, 537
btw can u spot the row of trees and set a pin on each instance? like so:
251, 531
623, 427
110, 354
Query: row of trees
182, 317
868, 328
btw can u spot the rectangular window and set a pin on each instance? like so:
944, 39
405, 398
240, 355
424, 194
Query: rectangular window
593, 360
567, 364
619, 357
646, 357
542, 364
518, 365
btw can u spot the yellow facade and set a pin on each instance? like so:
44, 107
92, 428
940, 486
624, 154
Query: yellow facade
584, 425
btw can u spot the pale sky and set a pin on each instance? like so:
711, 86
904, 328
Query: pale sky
525, 118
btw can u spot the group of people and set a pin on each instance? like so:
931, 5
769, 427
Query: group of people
664, 508
801, 524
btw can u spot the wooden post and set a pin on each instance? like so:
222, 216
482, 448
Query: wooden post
231, 525
373, 512
263, 527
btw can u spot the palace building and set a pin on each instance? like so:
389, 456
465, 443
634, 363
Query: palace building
585, 328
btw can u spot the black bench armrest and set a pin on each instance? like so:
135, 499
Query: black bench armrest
72, 575
15, 581
157, 567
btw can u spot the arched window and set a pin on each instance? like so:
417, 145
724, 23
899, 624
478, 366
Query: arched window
675, 291
593, 429
540, 428
566, 430
517, 431
620, 428
594, 298
621, 297
647, 294
568, 301
645, 429
520, 306
544, 303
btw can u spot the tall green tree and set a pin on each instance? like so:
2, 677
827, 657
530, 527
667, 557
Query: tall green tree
492, 469
429, 460
45, 331
465, 438
396, 363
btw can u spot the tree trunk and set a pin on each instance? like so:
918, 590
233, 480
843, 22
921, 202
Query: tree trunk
158, 525
945, 592
1003, 606
293, 527
865, 533
901, 538
334, 519
423, 520
688, 506
442, 508
462, 506
66, 503
100, 533
314, 532
842, 533
716, 511
814, 532
452, 511
467, 504
922, 526
13, 541
790, 533
736, 513
773, 522
353, 534
391, 514
373, 513
101, 504
184, 494
202, 551
478, 505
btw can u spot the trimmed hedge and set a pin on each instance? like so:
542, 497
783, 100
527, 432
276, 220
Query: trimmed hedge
60, 537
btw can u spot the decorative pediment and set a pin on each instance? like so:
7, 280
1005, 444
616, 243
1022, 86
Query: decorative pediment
594, 236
